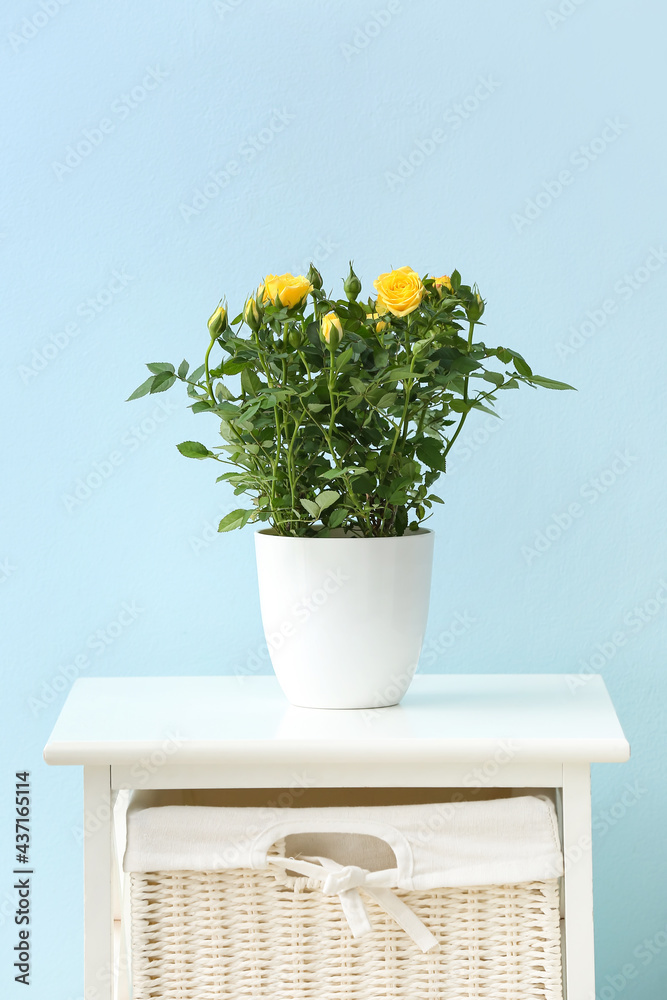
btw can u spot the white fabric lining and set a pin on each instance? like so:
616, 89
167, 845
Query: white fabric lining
453, 844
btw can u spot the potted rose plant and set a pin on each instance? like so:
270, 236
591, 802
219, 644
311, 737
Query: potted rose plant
336, 418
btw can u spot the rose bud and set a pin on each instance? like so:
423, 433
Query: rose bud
352, 285
332, 330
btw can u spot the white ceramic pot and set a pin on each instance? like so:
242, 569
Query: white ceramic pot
344, 618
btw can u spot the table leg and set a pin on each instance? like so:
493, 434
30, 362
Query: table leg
98, 872
578, 883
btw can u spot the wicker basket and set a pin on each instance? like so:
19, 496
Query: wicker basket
259, 934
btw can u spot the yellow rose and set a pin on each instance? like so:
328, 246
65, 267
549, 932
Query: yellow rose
291, 289
399, 292
443, 282
332, 330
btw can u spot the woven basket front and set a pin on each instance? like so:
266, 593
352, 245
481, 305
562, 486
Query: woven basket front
245, 933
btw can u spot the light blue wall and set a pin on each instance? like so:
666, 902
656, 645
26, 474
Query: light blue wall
350, 93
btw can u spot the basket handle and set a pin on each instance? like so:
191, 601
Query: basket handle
391, 835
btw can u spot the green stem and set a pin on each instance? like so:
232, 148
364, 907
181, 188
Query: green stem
465, 397
346, 479
207, 372
407, 387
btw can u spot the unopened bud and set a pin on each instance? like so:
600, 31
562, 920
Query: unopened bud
295, 338
352, 285
251, 314
218, 322
475, 308
314, 277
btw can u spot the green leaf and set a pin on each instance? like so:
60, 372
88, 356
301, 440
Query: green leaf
337, 517
233, 367
549, 383
455, 279
484, 409
522, 367
460, 406
160, 366
197, 373
193, 449
401, 520
163, 381
316, 407
143, 389
430, 453
464, 365
387, 400
353, 470
344, 358
396, 374
365, 484
326, 499
200, 406
236, 519
250, 383
311, 508
183, 368
494, 377
227, 410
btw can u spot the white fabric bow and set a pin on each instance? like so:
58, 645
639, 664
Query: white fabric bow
345, 881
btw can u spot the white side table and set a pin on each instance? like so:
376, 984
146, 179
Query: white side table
482, 731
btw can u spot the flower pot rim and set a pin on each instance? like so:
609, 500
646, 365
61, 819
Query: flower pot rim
270, 533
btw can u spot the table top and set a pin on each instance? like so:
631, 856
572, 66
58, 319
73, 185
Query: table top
443, 718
